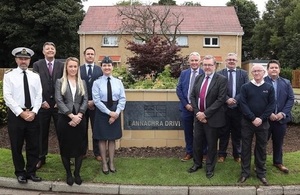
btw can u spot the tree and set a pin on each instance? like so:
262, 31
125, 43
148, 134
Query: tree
248, 15
30, 23
145, 23
166, 2
152, 56
276, 35
191, 3
129, 2
142, 22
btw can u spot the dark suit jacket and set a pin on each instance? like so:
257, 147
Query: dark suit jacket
241, 78
48, 83
65, 102
97, 72
285, 97
183, 87
215, 99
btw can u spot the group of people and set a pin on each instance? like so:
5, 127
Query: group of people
72, 96
217, 106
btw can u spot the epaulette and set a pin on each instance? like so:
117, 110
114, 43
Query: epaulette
8, 70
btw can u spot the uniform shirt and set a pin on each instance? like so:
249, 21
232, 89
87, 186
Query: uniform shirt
13, 90
99, 91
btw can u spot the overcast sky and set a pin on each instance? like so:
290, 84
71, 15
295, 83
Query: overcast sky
259, 3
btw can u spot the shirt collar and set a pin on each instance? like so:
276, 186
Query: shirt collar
258, 84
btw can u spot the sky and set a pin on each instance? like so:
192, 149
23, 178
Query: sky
259, 3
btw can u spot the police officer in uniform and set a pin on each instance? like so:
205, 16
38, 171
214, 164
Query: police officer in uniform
22, 93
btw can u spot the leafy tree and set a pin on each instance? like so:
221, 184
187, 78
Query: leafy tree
166, 2
152, 56
191, 3
129, 2
248, 15
277, 34
30, 23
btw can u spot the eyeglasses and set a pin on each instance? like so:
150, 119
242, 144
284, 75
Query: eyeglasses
257, 71
231, 60
208, 65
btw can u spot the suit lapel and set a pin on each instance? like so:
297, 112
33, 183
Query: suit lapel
212, 83
237, 78
45, 68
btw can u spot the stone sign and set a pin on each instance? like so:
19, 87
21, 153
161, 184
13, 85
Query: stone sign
146, 115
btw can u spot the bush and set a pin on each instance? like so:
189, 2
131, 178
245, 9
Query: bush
3, 107
286, 73
123, 74
296, 113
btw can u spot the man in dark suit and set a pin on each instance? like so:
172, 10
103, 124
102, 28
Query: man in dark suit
183, 90
208, 97
236, 78
90, 72
284, 97
50, 70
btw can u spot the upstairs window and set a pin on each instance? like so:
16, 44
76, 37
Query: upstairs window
211, 42
110, 40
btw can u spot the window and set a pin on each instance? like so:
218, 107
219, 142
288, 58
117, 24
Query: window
138, 41
110, 40
211, 41
181, 40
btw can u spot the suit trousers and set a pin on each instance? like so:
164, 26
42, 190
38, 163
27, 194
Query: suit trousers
260, 149
277, 133
45, 120
203, 132
233, 129
19, 131
90, 116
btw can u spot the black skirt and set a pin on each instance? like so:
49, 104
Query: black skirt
71, 139
103, 130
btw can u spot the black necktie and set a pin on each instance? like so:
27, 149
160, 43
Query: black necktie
109, 93
26, 91
230, 83
90, 71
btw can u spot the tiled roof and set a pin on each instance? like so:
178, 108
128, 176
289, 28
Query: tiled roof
197, 20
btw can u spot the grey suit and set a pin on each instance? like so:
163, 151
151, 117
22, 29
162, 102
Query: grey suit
215, 116
65, 102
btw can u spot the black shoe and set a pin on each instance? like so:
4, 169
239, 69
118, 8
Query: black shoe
242, 179
209, 174
41, 162
78, 180
22, 179
105, 172
194, 168
70, 180
34, 178
264, 181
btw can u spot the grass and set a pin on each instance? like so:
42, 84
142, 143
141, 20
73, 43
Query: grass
159, 171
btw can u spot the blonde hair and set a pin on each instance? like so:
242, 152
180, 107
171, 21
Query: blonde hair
64, 78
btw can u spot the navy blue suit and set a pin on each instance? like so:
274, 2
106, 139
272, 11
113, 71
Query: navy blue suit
233, 117
284, 103
187, 117
90, 114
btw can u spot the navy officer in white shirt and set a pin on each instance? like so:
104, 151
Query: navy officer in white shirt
22, 93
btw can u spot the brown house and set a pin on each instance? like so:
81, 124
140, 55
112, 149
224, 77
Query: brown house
213, 30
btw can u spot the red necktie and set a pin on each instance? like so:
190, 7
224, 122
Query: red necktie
202, 94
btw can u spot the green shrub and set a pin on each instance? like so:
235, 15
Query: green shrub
123, 74
296, 113
286, 73
3, 108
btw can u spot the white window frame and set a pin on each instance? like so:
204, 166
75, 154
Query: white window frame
138, 41
211, 40
110, 41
